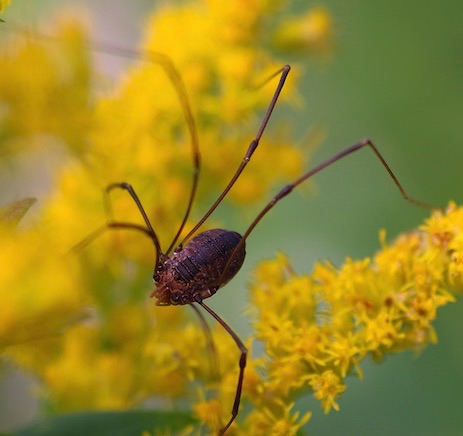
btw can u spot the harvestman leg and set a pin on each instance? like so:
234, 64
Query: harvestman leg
286, 190
283, 72
209, 340
111, 224
180, 89
242, 364
338, 156
172, 73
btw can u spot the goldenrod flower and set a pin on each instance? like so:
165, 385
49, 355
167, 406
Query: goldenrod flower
372, 306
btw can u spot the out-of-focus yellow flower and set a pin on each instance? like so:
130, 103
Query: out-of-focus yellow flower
308, 32
29, 313
45, 91
4, 4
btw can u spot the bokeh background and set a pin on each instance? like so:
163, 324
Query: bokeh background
395, 76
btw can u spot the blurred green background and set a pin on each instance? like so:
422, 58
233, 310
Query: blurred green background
396, 76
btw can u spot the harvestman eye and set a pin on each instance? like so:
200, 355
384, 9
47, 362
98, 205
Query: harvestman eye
195, 268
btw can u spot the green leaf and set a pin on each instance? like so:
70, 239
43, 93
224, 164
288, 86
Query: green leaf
12, 213
109, 423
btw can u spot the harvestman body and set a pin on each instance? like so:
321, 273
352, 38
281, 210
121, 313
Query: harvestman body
199, 266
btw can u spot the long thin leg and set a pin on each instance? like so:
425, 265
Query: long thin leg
288, 189
111, 224
176, 80
242, 365
180, 89
251, 149
108, 226
128, 187
209, 341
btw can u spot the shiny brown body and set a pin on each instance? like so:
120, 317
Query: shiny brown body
196, 271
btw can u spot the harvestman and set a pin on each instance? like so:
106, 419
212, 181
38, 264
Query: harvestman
195, 268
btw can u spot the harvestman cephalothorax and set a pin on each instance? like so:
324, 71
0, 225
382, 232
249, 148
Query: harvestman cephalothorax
196, 267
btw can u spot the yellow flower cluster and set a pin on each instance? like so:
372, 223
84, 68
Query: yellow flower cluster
317, 328
83, 322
